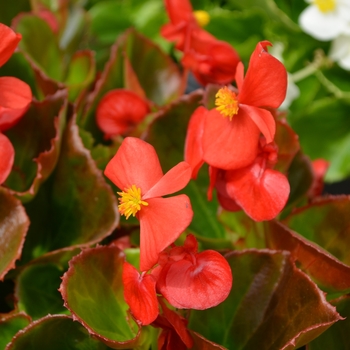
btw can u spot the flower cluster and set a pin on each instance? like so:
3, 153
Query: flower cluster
236, 139
15, 98
184, 277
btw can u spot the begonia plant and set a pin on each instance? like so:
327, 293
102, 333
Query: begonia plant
173, 175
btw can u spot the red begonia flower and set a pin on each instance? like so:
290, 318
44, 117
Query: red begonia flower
175, 335
210, 60
140, 294
258, 189
7, 155
119, 111
197, 280
136, 170
231, 131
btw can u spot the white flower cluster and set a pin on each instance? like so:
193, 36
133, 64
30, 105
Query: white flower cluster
330, 20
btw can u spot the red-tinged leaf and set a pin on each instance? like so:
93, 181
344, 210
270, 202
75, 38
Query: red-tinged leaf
158, 75
78, 207
131, 80
288, 145
92, 290
44, 51
200, 343
271, 305
325, 222
7, 156
337, 336
140, 294
36, 157
201, 282
14, 224
10, 325
54, 332
327, 271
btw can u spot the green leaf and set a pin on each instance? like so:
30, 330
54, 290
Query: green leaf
14, 224
37, 140
272, 305
43, 51
10, 325
92, 290
55, 332
77, 206
81, 73
337, 336
323, 129
37, 290
325, 222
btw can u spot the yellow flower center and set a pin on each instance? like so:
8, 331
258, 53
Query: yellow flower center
202, 17
130, 201
325, 5
226, 102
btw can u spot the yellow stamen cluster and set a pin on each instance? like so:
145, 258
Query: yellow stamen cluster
226, 102
325, 5
130, 201
202, 17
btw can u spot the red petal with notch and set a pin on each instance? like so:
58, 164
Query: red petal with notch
8, 43
140, 294
14, 93
174, 180
265, 83
229, 144
119, 111
261, 193
263, 119
193, 142
135, 163
7, 156
199, 284
161, 223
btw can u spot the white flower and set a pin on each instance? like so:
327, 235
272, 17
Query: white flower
340, 51
326, 19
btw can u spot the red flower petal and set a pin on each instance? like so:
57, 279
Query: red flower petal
135, 163
263, 119
265, 83
9, 117
14, 93
161, 223
8, 43
179, 11
199, 284
261, 193
229, 144
193, 142
7, 155
174, 180
140, 294
120, 110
